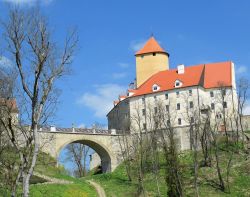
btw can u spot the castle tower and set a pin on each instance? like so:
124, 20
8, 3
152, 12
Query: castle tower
150, 59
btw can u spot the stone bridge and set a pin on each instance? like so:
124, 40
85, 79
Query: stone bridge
104, 142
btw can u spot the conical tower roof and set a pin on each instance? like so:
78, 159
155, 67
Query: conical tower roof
151, 46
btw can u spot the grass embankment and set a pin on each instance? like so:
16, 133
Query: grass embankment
116, 184
40, 187
46, 166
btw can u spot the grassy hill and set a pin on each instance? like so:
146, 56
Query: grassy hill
40, 187
116, 184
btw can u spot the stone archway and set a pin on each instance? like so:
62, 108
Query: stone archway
106, 145
99, 149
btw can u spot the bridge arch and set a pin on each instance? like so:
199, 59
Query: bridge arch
103, 151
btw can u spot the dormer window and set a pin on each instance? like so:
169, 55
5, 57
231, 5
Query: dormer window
177, 84
155, 87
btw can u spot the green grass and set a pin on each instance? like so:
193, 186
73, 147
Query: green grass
116, 184
46, 165
81, 189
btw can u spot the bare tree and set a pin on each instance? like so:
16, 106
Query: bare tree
138, 148
78, 153
39, 63
166, 123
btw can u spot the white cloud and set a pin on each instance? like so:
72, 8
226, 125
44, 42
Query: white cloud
101, 101
82, 125
5, 62
246, 111
119, 75
27, 2
241, 69
137, 44
123, 65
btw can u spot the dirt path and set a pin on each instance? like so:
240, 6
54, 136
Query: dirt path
98, 188
52, 180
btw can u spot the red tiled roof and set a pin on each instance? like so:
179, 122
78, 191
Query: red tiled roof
210, 75
217, 74
151, 46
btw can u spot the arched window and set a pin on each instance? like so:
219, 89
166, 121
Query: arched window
177, 83
155, 88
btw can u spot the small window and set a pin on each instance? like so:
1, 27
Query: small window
223, 92
178, 106
155, 87
144, 126
218, 116
155, 110
212, 106
191, 104
190, 92
154, 54
168, 122
166, 96
155, 97
167, 108
177, 83
143, 112
177, 94
179, 121
143, 100
211, 94
192, 119
225, 104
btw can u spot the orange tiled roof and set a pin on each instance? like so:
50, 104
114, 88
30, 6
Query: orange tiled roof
205, 75
151, 46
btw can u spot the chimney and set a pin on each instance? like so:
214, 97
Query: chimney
181, 69
52, 128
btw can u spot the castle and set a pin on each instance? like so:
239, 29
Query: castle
181, 90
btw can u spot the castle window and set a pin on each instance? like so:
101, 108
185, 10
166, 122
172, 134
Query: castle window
166, 96
177, 83
144, 126
218, 116
212, 105
155, 110
154, 54
190, 92
179, 121
167, 108
155, 87
225, 104
177, 94
211, 94
178, 106
224, 92
192, 120
143, 112
168, 122
191, 104
143, 100
155, 97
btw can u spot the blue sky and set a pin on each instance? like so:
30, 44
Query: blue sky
110, 32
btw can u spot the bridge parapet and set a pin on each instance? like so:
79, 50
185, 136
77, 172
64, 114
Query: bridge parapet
53, 129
